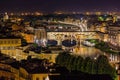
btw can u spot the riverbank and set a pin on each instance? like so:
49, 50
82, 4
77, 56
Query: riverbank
103, 46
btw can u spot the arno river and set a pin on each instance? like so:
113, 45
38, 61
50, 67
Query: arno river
86, 51
92, 52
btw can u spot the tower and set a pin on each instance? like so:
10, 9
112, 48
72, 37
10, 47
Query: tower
115, 18
5, 17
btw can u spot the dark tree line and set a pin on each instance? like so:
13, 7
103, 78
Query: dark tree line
77, 63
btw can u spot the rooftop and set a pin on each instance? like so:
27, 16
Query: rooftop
35, 66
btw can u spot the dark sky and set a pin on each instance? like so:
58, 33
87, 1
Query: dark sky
59, 5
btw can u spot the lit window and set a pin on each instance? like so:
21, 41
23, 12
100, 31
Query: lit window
12, 42
8, 42
4, 42
16, 41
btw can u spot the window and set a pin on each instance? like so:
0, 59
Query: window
4, 42
37, 78
43, 78
9, 48
8, 42
4, 48
16, 41
12, 42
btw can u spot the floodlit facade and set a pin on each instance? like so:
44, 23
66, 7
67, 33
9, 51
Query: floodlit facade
8, 46
114, 37
28, 37
40, 36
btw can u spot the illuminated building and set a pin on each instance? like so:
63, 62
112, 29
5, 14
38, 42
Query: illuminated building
68, 20
115, 18
87, 13
98, 13
7, 46
32, 76
5, 17
9, 72
40, 36
16, 27
28, 37
36, 70
49, 56
38, 13
100, 28
114, 36
103, 36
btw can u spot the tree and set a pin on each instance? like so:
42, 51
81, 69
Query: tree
79, 63
61, 58
103, 66
71, 65
67, 62
102, 61
89, 65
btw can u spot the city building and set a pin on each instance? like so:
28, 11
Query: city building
114, 37
9, 72
49, 56
37, 69
40, 36
102, 36
8, 45
29, 37
32, 76
5, 17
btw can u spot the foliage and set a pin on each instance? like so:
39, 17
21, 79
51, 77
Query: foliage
77, 63
105, 47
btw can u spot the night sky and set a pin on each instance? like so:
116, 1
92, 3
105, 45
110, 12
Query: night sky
59, 5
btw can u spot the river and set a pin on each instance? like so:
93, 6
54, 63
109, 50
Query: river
91, 52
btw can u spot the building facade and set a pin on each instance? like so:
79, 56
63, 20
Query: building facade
40, 36
28, 37
114, 37
8, 46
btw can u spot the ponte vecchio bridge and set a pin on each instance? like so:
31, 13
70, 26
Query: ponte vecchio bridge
77, 36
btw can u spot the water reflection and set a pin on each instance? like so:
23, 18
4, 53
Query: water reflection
84, 51
92, 52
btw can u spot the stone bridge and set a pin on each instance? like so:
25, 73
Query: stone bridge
78, 36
